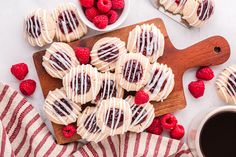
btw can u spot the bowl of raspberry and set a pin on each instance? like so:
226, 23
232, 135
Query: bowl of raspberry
103, 15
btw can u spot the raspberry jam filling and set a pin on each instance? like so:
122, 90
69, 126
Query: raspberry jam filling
232, 83
133, 71
91, 124
155, 85
33, 27
61, 60
81, 83
146, 43
137, 110
108, 52
60, 104
113, 117
204, 11
177, 2
68, 21
107, 90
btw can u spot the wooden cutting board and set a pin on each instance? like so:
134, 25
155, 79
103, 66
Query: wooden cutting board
209, 52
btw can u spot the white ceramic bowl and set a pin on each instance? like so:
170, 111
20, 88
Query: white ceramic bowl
113, 26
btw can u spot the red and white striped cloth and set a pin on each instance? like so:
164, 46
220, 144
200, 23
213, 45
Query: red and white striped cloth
23, 134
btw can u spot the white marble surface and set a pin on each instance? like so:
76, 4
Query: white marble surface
14, 48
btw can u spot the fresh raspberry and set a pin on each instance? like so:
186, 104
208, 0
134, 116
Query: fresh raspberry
112, 16
118, 4
82, 54
68, 130
155, 127
205, 73
91, 13
27, 87
141, 97
104, 5
20, 70
169, 121
196, 88
101, 21
177, 133
87, 3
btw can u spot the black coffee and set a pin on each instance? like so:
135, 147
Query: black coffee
218, 136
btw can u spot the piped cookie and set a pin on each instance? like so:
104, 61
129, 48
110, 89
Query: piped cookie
114, 116
133, 71
106, 52
82, 84
147, 40
161, 82
59, 59
226, 85
142, 115
109, 87
87, 126
197, 12
39, 28
59, 109
69, 27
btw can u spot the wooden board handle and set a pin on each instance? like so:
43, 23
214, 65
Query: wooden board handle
212, 51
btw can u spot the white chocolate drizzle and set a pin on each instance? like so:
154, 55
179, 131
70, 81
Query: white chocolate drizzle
87, 120
169, 3
115, 44
205, 14
163, 76
66, 10
64, 57
124, 110
85, 71
146, 114
107, 89
224, 86
148, 40
40, 17
125, 72
49, 107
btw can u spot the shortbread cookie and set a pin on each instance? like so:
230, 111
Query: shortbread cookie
148, 40
82, 84
109, 87
114, 116
87, 126
161, 82
196, 12
59, 59
59, 109
69, 27
174, 6
133, 71
226, 85
39, 28
142, 115
106, 52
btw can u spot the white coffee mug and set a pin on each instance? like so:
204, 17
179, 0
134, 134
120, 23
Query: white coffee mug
197, 124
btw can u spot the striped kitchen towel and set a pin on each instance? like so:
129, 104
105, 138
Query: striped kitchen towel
24, 134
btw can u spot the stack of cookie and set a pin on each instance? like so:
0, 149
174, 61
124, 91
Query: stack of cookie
195, 12
63, 24
113, 71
